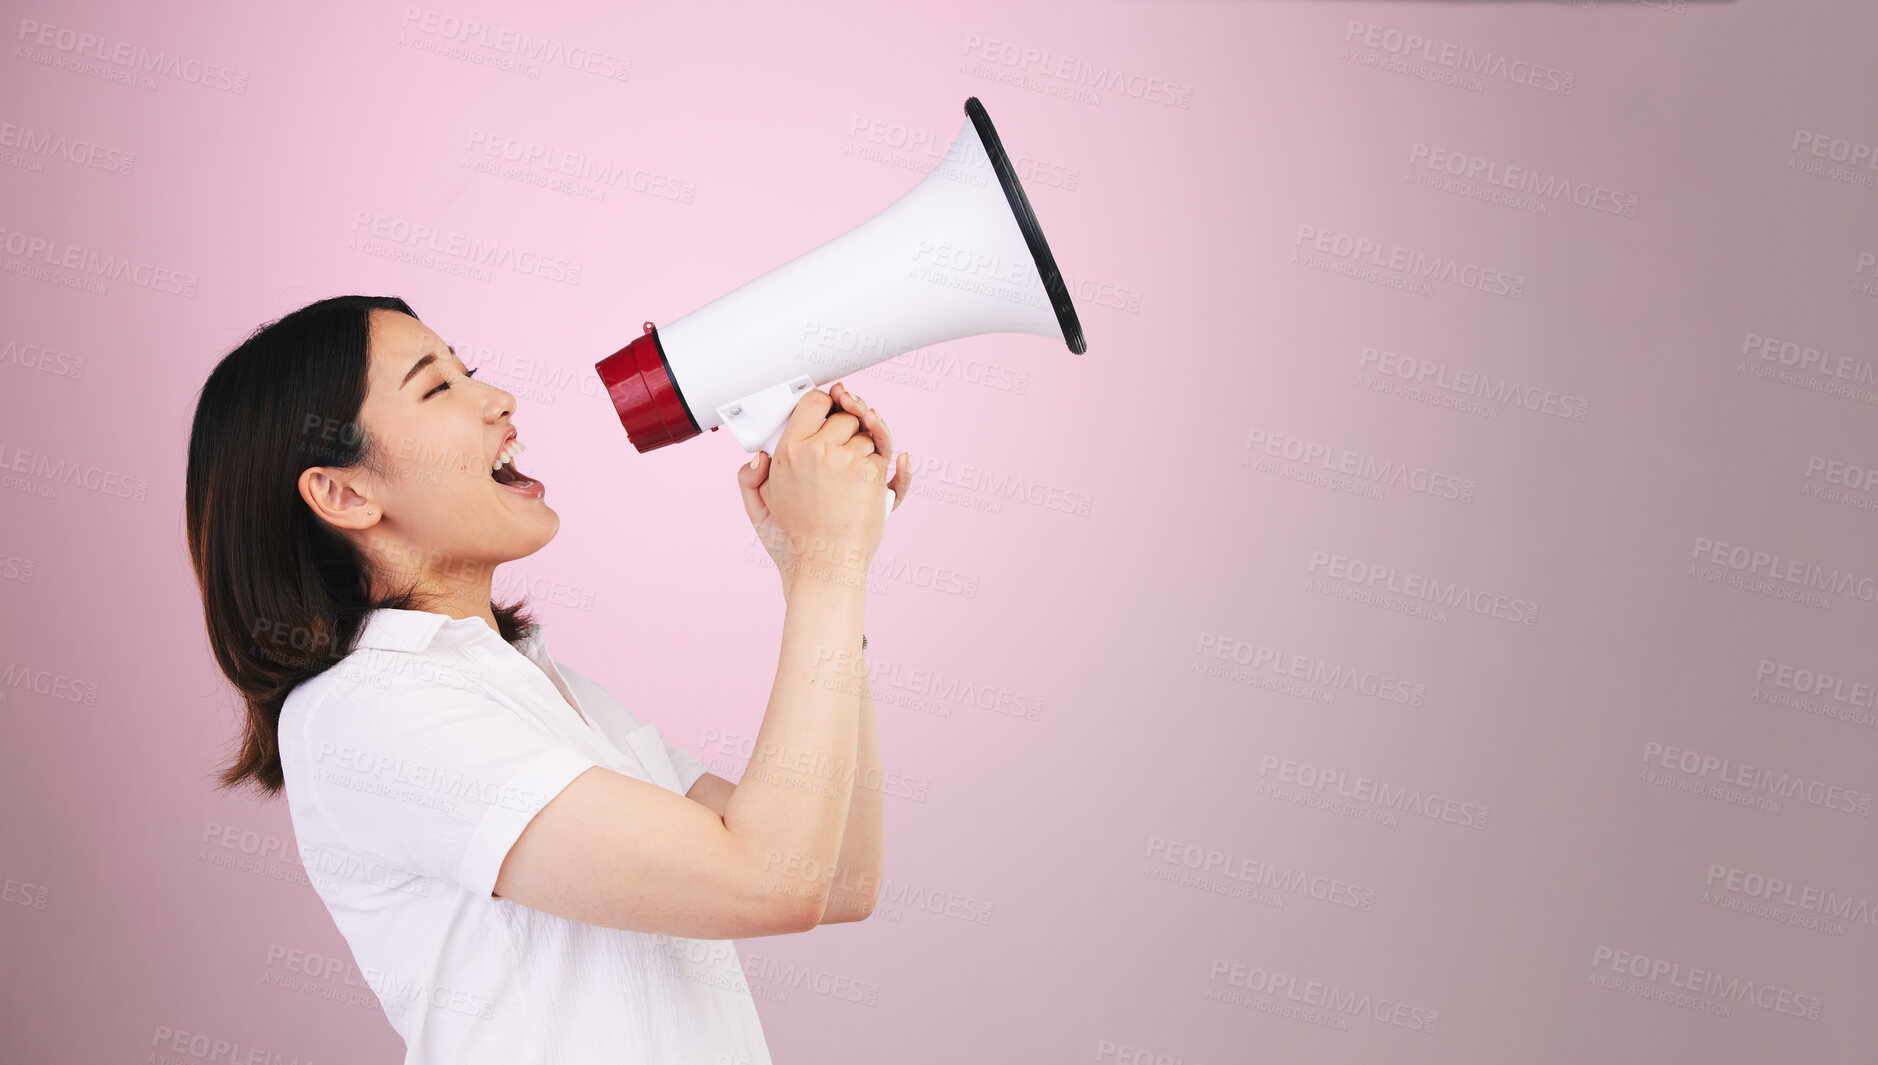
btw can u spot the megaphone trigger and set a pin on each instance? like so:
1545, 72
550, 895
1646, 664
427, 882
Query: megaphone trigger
758, 419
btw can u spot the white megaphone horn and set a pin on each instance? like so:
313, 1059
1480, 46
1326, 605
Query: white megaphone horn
960, 255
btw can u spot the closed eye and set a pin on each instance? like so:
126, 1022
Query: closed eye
440, 387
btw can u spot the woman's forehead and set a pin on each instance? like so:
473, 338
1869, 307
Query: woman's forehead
398, 342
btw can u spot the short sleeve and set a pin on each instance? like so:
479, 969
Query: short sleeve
437, 780
598, 699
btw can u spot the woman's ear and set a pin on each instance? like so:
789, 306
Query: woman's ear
335, 501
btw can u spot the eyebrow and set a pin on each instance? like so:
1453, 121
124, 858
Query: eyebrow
421, 363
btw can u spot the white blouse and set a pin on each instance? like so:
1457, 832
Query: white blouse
411, 767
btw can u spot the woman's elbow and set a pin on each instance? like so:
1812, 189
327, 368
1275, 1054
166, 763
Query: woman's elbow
845, 907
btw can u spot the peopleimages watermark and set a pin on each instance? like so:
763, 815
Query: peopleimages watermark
1011, 280
41, 474
1370, 472
995, 487
259, 854
398, 992
1839, 159
21, 893
1164, 854
1419, 589
812, 764
212, 1049
1404, 267
1805, 366
42, 359
1458, 58
452, 252
124, 62
1804, 357
53, 685
932, 691
1514, 186
1866, 262
1662, 979
1380, 369
1835, 480
520, 49
398, 777
1052, 74
316, 975
38, 145
922, 151
1756, 563
790, 975
532, 377
1817, 692
14, 568
553, 163
1313, 779
1759, 786
325, 865
34, 255
1108, 1050
1334, 1001
1805, 905
1307, 669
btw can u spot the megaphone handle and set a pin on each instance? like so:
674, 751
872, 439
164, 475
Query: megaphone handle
768, 446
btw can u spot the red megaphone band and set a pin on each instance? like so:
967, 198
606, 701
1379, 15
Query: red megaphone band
644, 394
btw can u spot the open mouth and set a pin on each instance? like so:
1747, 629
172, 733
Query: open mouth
505, 474
509, 476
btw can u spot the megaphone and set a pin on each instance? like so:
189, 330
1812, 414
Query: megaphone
960, 255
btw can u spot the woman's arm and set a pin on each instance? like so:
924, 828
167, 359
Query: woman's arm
612, 850
856, 883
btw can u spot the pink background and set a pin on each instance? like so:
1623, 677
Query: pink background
139, 903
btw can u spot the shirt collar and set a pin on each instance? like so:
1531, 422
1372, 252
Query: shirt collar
393, 629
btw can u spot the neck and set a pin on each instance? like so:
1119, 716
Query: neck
454, 589
460, 601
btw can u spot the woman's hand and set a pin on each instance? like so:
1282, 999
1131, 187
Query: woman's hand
754, 476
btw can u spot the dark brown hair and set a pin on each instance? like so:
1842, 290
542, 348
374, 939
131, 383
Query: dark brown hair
283, 593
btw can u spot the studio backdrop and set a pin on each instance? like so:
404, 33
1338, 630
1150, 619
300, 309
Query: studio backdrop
1431, 622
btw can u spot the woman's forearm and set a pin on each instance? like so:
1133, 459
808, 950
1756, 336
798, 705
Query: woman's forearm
858, 867
791, 806
856, 882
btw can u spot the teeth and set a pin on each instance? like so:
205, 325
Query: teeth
507, 454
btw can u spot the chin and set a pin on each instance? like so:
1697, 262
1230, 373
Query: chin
516, 544
552, 526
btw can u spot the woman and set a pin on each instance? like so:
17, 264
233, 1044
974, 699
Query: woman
523, 870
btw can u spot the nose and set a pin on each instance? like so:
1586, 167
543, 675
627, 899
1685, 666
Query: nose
498, 404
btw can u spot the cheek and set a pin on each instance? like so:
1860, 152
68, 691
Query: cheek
435, 469
460, 481
437, 479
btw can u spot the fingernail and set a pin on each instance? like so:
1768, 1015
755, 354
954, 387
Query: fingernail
753, 459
